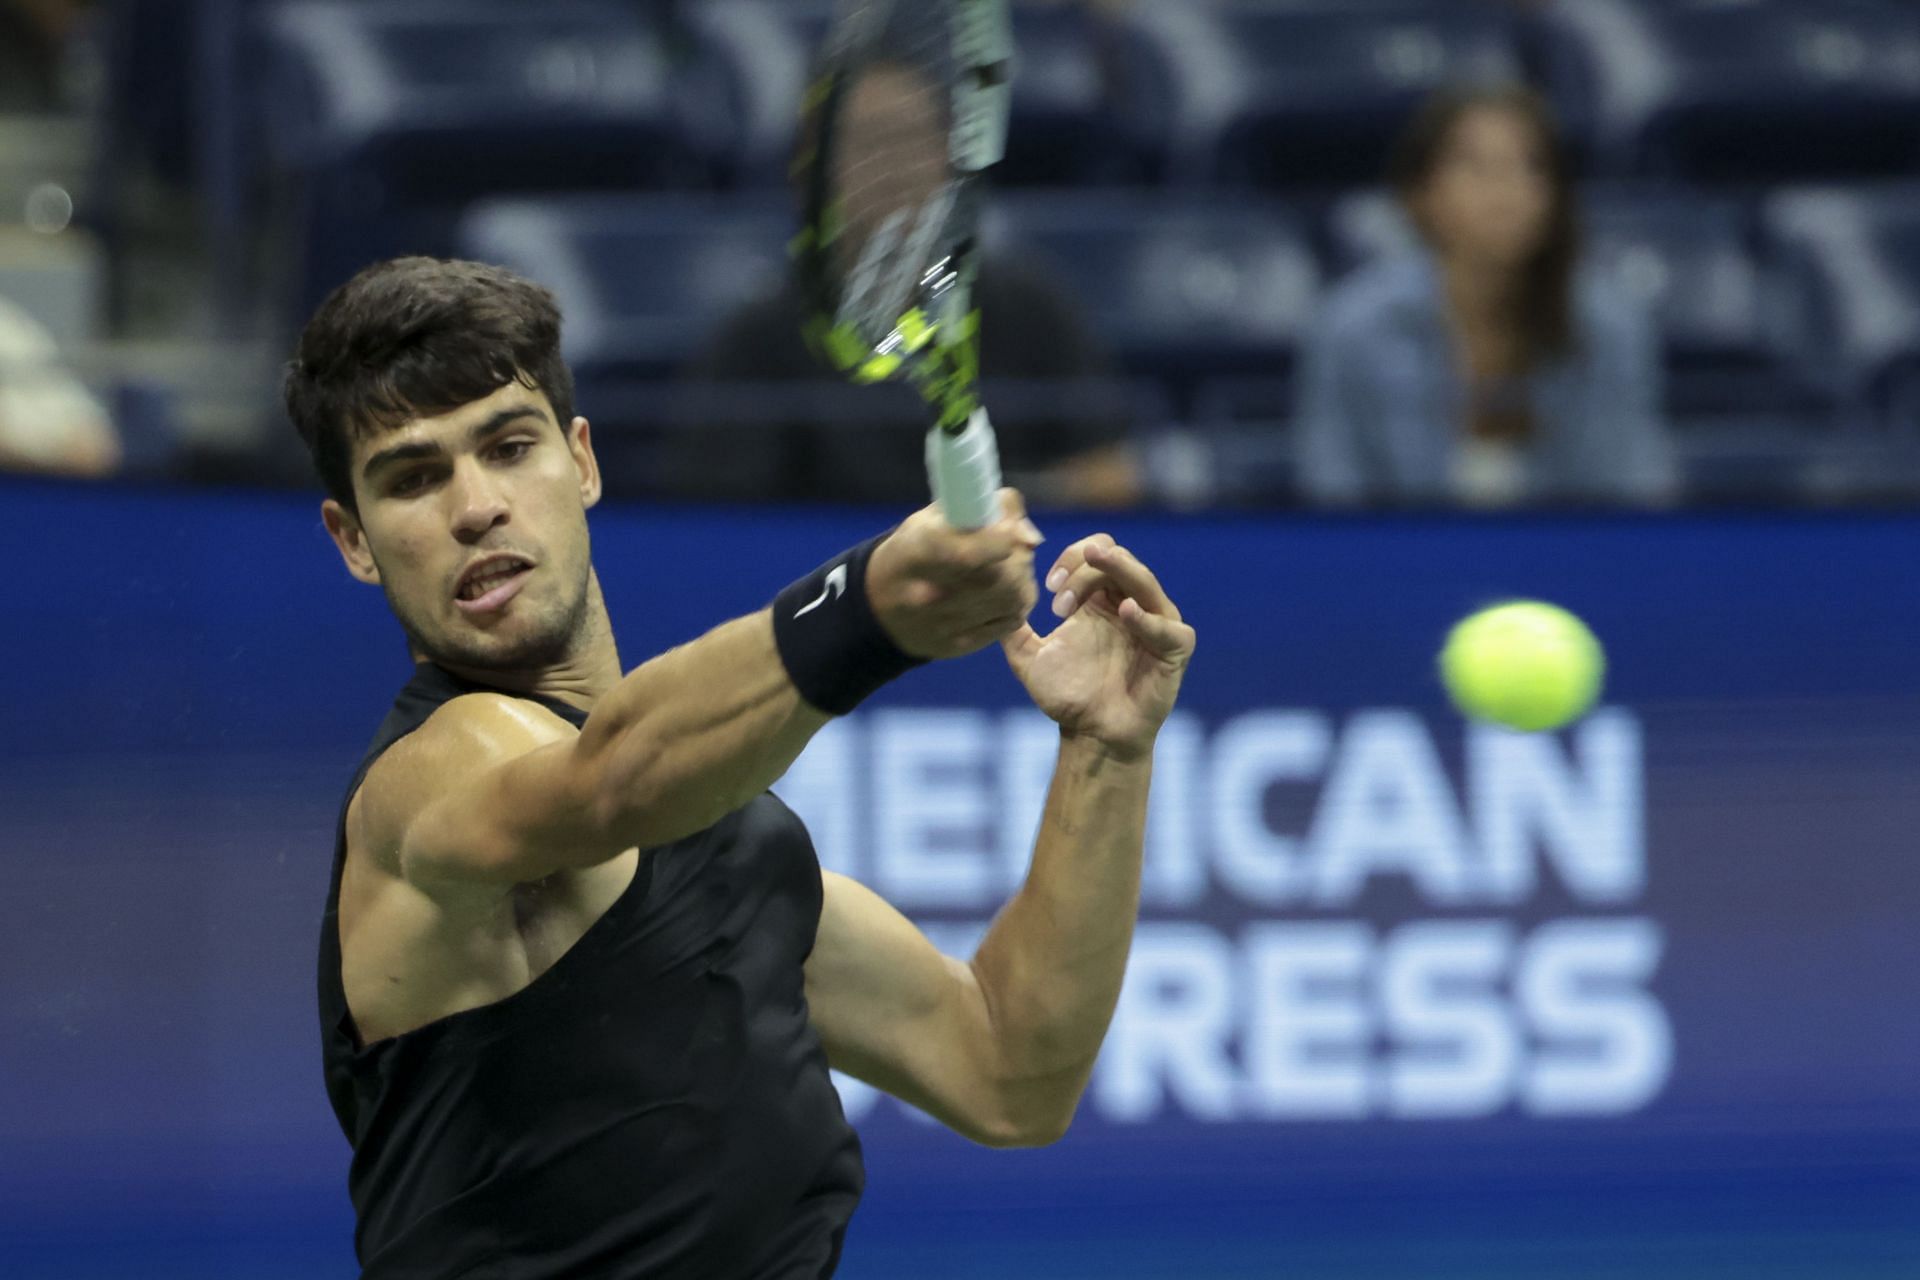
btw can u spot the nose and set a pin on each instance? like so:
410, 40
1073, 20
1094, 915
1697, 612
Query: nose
479, 503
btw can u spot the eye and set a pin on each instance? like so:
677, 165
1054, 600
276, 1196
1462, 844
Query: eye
410, 483
513, 450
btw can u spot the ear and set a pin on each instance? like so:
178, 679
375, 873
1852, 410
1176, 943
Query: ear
580, 445
351, 540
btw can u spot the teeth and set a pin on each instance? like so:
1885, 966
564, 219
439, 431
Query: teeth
487, 581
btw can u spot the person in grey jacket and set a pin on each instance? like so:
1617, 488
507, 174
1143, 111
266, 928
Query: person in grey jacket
1488, 367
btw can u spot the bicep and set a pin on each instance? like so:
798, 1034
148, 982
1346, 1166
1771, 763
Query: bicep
893, 1011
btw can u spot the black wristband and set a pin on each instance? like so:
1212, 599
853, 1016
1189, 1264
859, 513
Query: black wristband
833, 646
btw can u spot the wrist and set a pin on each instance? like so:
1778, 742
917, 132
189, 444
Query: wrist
829, 638
1097, 752
884, 595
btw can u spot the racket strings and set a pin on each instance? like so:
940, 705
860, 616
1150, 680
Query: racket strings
893, 186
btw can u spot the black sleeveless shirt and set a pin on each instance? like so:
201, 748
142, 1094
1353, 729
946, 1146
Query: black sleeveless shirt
655, 1106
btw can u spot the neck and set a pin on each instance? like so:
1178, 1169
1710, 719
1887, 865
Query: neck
589, 670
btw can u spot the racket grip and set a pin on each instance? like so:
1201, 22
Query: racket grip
965, 472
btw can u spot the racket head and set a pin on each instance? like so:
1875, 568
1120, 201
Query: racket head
904, 117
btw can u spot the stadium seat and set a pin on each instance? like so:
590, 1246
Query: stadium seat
642, 279
1302, 95
1751, 91
1242, 433
1769, 458
753, 57
148, 51
1902, 416
385, 119
1065, 130
1364, 226
1849, 261
1181, 290
1688, 258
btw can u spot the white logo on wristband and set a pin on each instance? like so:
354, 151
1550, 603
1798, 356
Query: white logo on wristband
835, 588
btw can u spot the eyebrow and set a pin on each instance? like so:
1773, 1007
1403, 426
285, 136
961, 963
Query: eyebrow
431, 449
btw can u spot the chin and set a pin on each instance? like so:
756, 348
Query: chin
536, 631
511, 644
517, 651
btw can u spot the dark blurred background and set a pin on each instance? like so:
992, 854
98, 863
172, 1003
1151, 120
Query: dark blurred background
1191, 188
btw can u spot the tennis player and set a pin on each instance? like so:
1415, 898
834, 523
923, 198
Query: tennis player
581, 975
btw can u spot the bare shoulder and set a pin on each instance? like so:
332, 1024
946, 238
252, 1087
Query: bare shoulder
467, 734
410, 955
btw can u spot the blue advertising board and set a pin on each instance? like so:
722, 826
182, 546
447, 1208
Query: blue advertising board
1408, 997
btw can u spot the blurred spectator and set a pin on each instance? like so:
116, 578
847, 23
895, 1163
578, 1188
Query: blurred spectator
33, 38
1491, 367
48, 421
1032, 332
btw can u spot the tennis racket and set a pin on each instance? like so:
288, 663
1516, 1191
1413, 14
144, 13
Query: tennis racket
908, 112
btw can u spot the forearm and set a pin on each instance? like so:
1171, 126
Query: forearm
690, 736
1050, 968
701, 730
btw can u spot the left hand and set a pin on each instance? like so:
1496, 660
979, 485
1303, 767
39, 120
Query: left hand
1111, 670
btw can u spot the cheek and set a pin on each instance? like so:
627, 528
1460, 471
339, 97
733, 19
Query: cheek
1539, 205
402, 558
1456, 209
1524, 223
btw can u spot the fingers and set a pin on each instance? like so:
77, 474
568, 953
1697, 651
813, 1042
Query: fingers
944, 592
1107, 567
1134, 579
999, 629
949, 555
1166, 638
1020, 646
1073, 558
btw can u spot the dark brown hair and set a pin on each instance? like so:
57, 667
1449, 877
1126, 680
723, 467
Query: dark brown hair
418, 337
1546, 296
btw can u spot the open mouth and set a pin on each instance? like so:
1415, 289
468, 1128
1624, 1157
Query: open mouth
492, 584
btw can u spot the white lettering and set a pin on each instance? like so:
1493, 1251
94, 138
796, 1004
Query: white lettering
856, 1096
1308, 1024
1175, 874
1170, 1030
1588, 821
1456, 1044
1250, 755
1387, 809
933, 817
822, 788
1609, 1048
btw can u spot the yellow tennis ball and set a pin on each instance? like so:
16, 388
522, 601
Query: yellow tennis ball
1526, 665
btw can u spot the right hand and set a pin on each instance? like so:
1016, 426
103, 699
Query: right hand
942, 592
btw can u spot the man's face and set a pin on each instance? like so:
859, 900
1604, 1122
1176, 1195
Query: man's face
474, 524
892, 156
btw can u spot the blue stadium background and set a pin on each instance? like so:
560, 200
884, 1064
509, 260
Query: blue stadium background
195, 678
187, 677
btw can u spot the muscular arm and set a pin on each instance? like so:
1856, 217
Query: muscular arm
1000, 1049
490, 792
493, 791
